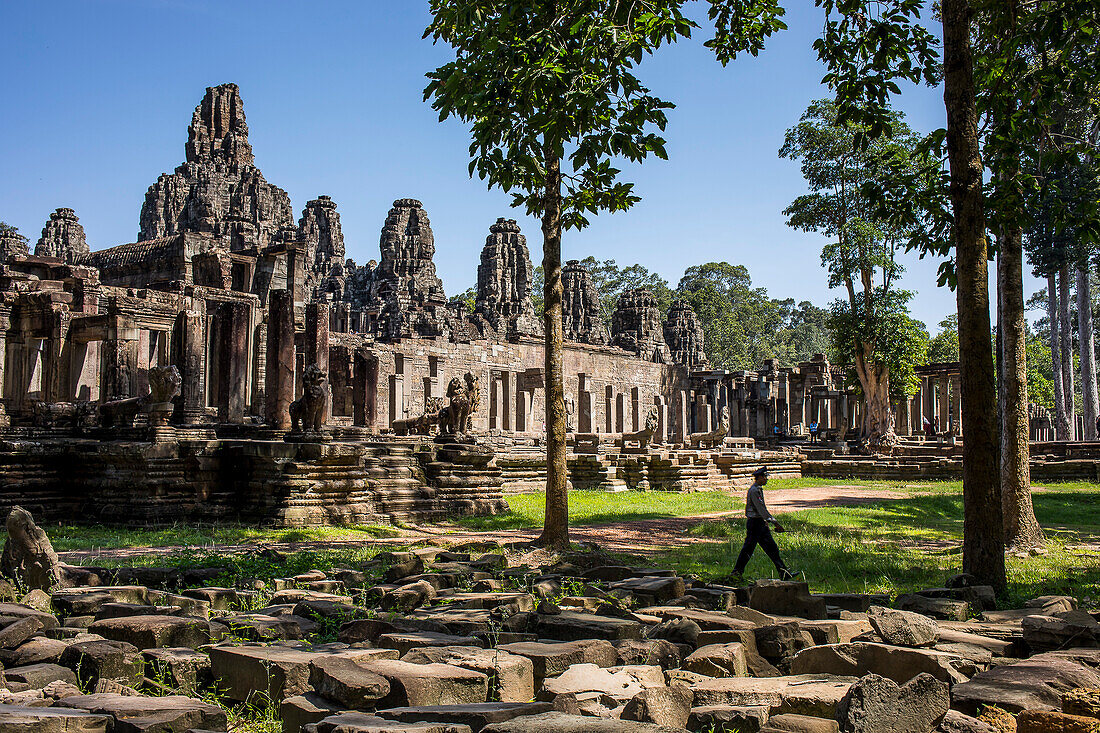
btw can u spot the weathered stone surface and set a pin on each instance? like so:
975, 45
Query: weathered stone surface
475, 715
648, 651
348, 681
15, 610
17, 632
34, 651
300, 710
403, 641
878, 705
505, 279
1082, 702
134, 713
367, 723
718, 660
63, 237
1031, 684
668, 706
1038, 721
178, 668
571, 626
1068, 629
618, 683
319, 228
149, 632
256, 627
40, 675
899, 664
511, 677
940, 608
12, 243
684, 336
785, 598
553, 658
28, 555
93, 661
636, 326
277, 672
728, 718
778, 643
51, 720
428, 684
218, 190
815, 695
564, 723
903, 628
799, 724
956, 722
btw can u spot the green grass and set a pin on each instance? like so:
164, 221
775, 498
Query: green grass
67, 537
895, 546
599, 507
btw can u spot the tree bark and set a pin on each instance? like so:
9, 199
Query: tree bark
555, 531
879, 418
1088, 355
1061, 421
983, 529
1022, 530
1065, 331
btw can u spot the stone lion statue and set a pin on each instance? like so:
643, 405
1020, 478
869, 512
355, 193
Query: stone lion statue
715, 437
164, 383
454, 419
307, 413
28, 556
645, 435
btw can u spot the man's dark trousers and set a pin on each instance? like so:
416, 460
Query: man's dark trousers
757, 532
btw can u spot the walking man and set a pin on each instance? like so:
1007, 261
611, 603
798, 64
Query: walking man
757, 518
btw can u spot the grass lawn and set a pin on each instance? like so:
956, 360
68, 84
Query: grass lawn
600, 507
98, 537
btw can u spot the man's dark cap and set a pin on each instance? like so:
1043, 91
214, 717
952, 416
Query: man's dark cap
762, 471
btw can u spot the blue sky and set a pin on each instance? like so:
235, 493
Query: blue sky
99, 93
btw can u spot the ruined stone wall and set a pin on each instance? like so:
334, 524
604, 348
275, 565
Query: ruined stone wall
63, 237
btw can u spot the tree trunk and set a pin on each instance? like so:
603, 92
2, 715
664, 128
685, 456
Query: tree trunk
1022, 530
1088, 355
1065, 330
874, 378
555, 531
983, 529
1061, 422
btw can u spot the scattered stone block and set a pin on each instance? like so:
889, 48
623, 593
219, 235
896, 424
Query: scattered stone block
349, 722
555, 722
51, 720
511, 677
896, 663
256, 627
667, 706
40, 675
956, 722
799, 724
1069, 629
876, 704
939, 608
1082, 702
553, 658
1040, 721
274, 671
428, 684
814, 695
619, 683
149, 632
16, 610
138, 713
786, 598
1031, 684
903, 628
347, 681
301, 710
718, 660
18, 631
178, 668
403, 641
649, 651
35, 650
571, 626
28, 557
728, 718
475, 715
94, 661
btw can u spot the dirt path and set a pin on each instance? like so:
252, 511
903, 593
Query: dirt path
641, 536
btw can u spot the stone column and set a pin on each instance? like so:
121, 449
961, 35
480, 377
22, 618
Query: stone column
703, 415
635, 410
916, 411
120, 358
609, 409
620, 413
662, 434
279, 376
5, 324
945, 404
189, 351
902, 421
956, 404
55, 367
234, 329
317, 345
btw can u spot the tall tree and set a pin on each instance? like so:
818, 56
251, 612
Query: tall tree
1061, 416
549, 91
861, 256
1087, 350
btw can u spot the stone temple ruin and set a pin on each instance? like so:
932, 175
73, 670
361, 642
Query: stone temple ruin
156, 379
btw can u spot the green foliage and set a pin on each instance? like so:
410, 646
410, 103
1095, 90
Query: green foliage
944, 346
10, 231
552, 80
1040, 371
468, 299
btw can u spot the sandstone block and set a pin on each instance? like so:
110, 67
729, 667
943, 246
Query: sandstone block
476, 715
429, 684
40, 675
179, 668
728, 718
347, 681
651, 651
570, 626
668, 706
51, 720
553, 658
565, 723
1041, 721
718, 660
301, 710
138, 713
511, 677
939, 608
799, 724
93, 661
899, 664
619, 683
1031, 684
785, 598
903, 628
150, 632
878, 705
815, 695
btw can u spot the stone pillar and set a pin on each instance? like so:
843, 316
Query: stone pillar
317, 345
928, 394
620, 413
635, 410
945, 404
189, 352
5, 324
916, 411
55, 365
233, 330
279, 377
662, 434
703, 415
902, 420
120, 358
340, 380
956, 404
609, 409
364, 394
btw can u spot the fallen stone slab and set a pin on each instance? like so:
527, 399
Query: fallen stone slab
1082, 702
15, 633
403, 641
996, 647
903, 628
35, 650
938, 608
1032, 684
956, 722
178, 668
511, 676
799, 724
274, 671
301, 710
256, 627
731, 718
366, 723
93, 661
556, 722
897, 663
475, 715
150, 632
1069, 629
347, 681
668, 706
89, 600
40, 675
428, 684
651, 590
835, 631
1037, 721
17, 610
553, 658
619, 683
778, 643
648, 651
571, 626
815, 695
23, 719
786, 598
854, 602
876, 704
137, 713
718, 660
